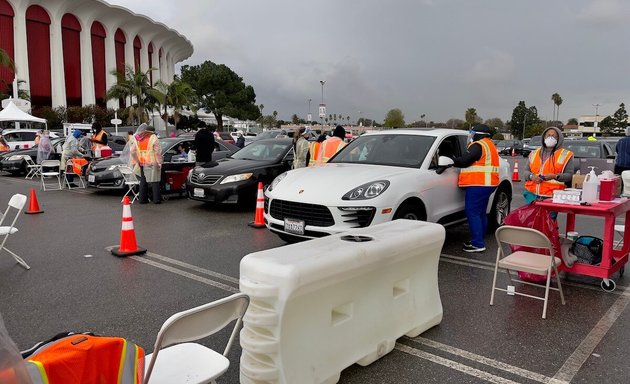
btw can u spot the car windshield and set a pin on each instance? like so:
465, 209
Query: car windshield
502, 143
267, 150
583, 150
268, 135
165, 144
394, 150
536, 141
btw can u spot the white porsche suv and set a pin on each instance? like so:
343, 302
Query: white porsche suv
378, 177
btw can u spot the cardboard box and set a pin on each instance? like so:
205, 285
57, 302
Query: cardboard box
577, 181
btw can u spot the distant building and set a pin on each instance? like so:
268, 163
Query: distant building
589, 124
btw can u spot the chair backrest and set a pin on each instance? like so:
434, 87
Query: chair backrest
28, 159
199, 322
522, 236
128, 174
51, 163
17, 201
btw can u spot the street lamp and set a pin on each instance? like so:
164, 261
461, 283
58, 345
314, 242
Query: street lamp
596, 115
322, 106
524, 120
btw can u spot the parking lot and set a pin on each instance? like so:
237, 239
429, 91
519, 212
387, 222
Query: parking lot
75, 284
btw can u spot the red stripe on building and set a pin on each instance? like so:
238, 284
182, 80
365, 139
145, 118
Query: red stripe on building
137, 45
71, 40
120, 41
38, 41
98, 62
6, 42
151, 62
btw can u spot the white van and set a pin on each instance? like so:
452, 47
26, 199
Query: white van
22, 138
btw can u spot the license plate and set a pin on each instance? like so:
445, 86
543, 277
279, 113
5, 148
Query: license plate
199, 192
294, 226
91, 178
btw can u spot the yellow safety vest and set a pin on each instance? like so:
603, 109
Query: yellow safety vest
330, 147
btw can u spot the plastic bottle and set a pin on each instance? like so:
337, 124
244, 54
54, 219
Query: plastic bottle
590, 187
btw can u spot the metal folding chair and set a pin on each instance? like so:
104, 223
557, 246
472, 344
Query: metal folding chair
17, 202
32, 169
50, 169
131, 181
70, 171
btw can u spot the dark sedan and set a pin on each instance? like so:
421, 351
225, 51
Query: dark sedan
104, 173
14, 162
235, 179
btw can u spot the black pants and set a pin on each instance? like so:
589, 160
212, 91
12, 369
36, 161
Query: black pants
156, 196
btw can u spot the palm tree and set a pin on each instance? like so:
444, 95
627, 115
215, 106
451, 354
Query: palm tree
6, 61
470, 116
557, 100
180, 95
262, 117
134, 85
275, 115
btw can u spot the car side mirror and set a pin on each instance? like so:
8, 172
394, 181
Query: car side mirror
610, 156
443, 163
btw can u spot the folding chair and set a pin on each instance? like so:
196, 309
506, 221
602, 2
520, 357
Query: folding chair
620, 229
50, 168
70, 171
526, 261
17, 201
131, 181
191, 362
32, 169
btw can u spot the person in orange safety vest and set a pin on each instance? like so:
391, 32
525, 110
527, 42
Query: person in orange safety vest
479, 174
549, 168
146, 154
333, 144
99, 137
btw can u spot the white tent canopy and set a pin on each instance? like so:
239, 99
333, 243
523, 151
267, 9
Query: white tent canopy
12, 113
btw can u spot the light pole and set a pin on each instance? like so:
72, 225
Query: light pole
596, 115
308, 116
524, 120
322, 106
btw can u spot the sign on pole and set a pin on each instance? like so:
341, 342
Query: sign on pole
309, 117
116, 121
322, 111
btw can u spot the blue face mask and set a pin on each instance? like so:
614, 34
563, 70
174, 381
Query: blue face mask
76, 134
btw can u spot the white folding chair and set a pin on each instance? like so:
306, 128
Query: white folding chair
620, 229
17, 202
32, 169
70, 171
131, 181
191, 362
50, 169
526, 261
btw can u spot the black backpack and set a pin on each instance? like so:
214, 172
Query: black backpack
587, 249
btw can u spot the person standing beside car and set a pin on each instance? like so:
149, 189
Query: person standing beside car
479, 175
333, 144
622, 161
99, 137
301, 148
549, 167
147, 155
204, 145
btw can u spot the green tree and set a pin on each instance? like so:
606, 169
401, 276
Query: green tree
275, 115
135, 85
607, 125
221, 91
495, 122
295, 119
523, 119
394, 119
471, 117
261, 107
572, 121
498, 136
620, 119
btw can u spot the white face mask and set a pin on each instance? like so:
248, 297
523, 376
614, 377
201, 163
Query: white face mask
550, 142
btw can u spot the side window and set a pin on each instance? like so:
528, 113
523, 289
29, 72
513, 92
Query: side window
221, 147
27, 136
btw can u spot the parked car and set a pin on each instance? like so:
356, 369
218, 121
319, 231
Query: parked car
22, 138
533, 144
378, 177
225, 136
505, 146
14, 162
279, 133
586, 153
103, 173
234, 180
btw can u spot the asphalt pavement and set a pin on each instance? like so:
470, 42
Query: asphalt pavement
75, 284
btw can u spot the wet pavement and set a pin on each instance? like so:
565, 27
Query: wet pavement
75, 284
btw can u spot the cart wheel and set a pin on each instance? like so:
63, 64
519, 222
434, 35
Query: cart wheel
164, 198
610, 286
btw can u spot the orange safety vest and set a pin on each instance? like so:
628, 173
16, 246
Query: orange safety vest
315, 154
559, 160
146, 154
330, 147
84, 358
485, 171
99, 137
3, 147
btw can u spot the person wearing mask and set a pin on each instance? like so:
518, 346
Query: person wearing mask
479, 175
71, 150
301, 148
99, 137
622, 161
204, 145
240, 140
44, 148
147, 156
333, 144
129, 135
549, 168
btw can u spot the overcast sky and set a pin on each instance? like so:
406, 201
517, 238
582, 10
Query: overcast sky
433, 57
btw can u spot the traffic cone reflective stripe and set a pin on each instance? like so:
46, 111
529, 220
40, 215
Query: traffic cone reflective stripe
513, 152
515, 176
33, 205
259, 218
128, 245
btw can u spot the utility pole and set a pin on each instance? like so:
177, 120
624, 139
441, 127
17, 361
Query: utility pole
524, 120
596, 115
322, 106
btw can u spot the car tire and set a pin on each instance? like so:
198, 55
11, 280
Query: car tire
290, 239
500, 209
410, 211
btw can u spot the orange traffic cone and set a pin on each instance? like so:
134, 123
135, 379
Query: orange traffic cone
33, 205
513, 152
515, 176
259, 219
128, 246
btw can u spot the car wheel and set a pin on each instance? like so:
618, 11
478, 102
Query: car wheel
410, 211
500, 209
290, 239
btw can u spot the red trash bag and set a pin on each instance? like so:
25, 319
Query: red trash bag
532, 216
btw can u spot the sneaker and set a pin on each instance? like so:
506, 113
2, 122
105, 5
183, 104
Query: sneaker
471, 248
467, 244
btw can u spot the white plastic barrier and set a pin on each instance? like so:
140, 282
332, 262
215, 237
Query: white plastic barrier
318, 307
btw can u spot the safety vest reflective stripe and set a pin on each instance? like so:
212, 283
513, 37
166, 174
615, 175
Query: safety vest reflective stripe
553, 165
485, 171
37, 372
315, 154
146, 154
128, 370
331, 147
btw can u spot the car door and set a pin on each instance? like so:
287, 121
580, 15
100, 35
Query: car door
445, 198
220, 151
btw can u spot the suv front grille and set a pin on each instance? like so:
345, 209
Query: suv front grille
312, 214
359, 217
205, 180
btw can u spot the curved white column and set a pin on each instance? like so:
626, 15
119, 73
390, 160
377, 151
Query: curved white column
88, 93
57, 81
19, 45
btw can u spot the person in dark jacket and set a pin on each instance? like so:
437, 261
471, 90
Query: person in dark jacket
240, 141
204, 144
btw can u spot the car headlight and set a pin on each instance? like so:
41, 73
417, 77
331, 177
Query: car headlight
367, 191
235, 178
16, 157
112, 167
276, 181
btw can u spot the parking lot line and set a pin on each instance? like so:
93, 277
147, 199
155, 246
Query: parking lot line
573, 364
193, 267
33, 183
454, 365
483, 360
